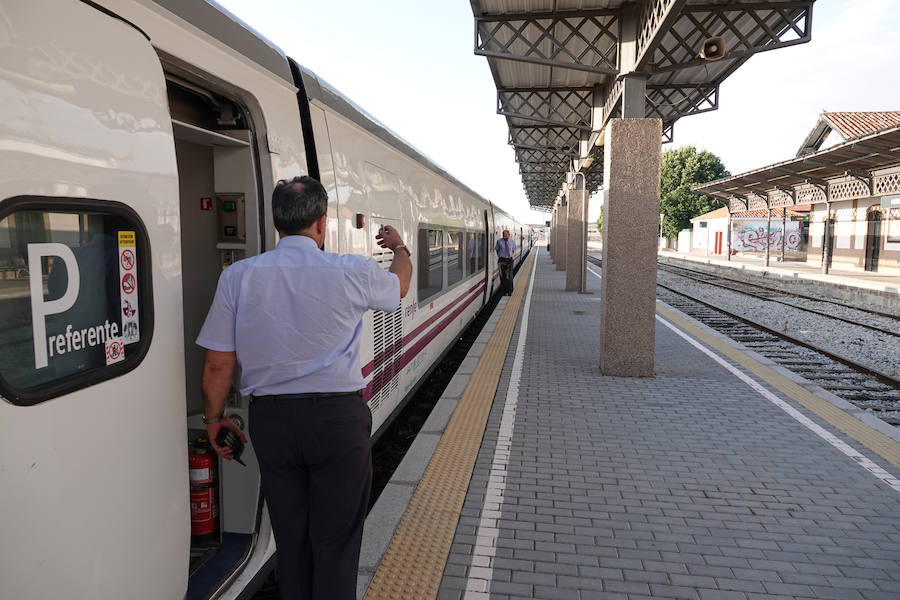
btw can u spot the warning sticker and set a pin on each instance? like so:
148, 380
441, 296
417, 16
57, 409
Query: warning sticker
115, 350
131, 331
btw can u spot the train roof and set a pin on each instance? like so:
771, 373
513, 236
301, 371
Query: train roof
215, 20
227, 28
318, 89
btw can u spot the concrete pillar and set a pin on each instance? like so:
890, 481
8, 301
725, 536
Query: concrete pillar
630, 220
561, 242
553, 234
577, 238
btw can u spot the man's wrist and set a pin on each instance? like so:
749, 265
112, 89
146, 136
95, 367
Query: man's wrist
211, 420
402, 247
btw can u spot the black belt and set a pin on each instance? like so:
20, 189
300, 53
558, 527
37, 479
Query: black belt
281, 397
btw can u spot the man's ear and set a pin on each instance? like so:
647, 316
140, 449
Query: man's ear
320, 224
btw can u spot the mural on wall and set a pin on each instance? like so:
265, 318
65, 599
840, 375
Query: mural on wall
750, 236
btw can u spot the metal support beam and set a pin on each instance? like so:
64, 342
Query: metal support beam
866, 177
655, 18
789, 191
728, 233
583, 40
783, 232
742, 199
768, 229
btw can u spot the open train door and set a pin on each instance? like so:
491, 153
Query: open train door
93, 459
487, 258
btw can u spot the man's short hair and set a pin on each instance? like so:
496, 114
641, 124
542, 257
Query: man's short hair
297, 203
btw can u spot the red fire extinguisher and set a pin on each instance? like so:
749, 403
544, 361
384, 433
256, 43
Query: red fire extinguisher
204, 490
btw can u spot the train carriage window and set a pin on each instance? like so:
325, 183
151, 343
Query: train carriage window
75, 297
431, 263
455, 257
472, 253
481, 249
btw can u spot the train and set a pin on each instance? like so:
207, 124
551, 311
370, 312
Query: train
139, 145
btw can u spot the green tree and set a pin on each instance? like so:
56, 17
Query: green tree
600, 223
681, 168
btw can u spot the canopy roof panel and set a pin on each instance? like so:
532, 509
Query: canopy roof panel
559, 65
859, 158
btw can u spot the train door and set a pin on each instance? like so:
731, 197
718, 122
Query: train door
386, 388
487, 260
93, 462
873, 239
219, 223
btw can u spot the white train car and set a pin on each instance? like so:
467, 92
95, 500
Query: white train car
139, 144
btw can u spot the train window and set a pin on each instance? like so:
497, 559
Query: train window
431, 262
481, 250
471, 253
455, 257
75, 295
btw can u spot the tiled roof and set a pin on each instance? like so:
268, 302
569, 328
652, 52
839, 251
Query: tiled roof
720, 213
855, 124
848, 125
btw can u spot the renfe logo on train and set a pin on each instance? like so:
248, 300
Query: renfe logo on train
66, 338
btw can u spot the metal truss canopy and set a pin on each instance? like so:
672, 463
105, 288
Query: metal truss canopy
747, 28
563, 69
562, 140
568, 107
670, 102
581, 40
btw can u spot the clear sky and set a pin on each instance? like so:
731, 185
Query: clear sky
410, 63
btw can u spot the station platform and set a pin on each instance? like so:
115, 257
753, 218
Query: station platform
885, 283
722, 477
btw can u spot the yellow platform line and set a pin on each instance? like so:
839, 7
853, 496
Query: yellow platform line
869, 437
414, 562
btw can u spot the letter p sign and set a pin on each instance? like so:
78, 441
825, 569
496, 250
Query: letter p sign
40, 308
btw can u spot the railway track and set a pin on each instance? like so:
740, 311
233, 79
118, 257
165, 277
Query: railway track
867, 388
862, 317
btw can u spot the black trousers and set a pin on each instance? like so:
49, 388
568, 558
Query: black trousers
506, 275
316, 466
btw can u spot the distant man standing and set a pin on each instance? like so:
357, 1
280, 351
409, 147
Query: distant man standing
506, 249
292, 319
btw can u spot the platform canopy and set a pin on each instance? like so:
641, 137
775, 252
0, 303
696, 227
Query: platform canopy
861, 167
563, 68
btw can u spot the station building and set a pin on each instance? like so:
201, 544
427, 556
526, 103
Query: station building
836, 204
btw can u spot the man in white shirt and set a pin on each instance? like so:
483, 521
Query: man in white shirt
506, 249
292, 319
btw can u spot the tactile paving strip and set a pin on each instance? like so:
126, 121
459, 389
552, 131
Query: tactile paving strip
871, 438
413, 564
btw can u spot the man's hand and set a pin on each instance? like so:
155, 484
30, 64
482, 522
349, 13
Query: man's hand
218, 371
388, 237
212, 430
401, 265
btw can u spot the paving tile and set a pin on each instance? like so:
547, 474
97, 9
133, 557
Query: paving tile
685, 485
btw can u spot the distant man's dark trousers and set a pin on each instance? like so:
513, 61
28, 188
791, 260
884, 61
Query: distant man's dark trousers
506, 275
316, 466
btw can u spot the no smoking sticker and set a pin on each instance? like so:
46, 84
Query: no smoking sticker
128, 283
127, 259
